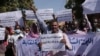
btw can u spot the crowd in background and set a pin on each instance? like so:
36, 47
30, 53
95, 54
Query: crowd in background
7, 46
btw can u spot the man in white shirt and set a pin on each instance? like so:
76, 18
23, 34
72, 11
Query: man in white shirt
65, 40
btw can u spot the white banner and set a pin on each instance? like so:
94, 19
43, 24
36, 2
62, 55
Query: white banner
91, 6
64, 15
51, 42
93, 49
9, 18
2, 33
45, 14
28, 47
80, 42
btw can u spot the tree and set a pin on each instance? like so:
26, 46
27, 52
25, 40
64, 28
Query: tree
25, 4
13, 5
76, 5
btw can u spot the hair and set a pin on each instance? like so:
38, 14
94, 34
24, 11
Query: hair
52, 21
16, 27
34, 28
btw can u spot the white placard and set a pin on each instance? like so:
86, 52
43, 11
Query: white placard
9, 18
7, 22
45, 14
2, 33
91, 6
30, 15
64, 15
51, 42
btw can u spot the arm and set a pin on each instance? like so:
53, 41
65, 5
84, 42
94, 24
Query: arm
88, 22
68, 44
41, 24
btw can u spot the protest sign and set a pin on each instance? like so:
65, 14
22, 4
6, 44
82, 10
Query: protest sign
27, 47
2, 33
80, 42
93, 49
91, 6
30, 15
64, 15
7, 22
45, 14
51, 42
9, 18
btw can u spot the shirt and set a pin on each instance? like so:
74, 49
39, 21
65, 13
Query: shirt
14, 38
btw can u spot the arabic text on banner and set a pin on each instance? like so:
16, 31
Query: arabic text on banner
51, 42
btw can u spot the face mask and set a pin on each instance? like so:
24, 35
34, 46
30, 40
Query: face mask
17, 31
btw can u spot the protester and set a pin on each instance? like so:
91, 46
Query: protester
14, 35
34, 33
65, 40
95, 21
76, 29
27, 31
64, 29
84, 26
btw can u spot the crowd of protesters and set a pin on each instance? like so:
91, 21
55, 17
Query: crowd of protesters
8, 45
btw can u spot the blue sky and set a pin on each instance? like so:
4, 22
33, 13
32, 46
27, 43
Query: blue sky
55, 4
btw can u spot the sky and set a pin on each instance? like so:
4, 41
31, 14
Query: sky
55, 4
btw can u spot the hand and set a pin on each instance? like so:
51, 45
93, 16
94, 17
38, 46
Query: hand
40, 45
63, 41
33, 8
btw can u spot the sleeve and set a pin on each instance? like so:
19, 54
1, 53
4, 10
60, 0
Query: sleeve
42, 24
68, 44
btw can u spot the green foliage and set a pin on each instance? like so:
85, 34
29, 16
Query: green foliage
69, 4
25, 4
12, 5
76, 6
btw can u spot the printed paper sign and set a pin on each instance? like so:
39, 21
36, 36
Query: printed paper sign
2, 33
51, 42
64, 15
45, 14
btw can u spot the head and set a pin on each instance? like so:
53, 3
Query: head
34, 28
64, 29
84, 22
94, 25
74, 24
27, 30
95, 22
17, 29
54, 26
